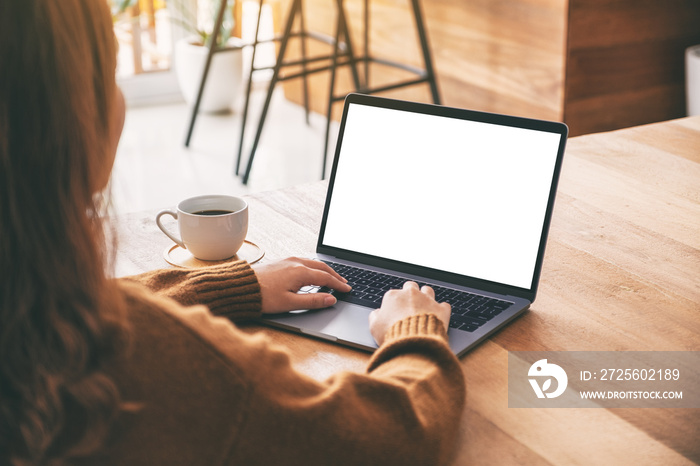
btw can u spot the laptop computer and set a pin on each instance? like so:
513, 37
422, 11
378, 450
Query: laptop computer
456, 199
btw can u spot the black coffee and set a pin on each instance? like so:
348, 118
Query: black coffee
213, 212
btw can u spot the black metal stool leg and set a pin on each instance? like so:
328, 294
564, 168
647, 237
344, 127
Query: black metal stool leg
205, 72
249, 85
342, 19
275, 77
366, 44
331, 94
302, 26
341, 28
427, 56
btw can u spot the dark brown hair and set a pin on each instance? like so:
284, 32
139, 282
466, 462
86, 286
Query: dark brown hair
60, 316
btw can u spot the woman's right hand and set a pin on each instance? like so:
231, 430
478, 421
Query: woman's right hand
399, 304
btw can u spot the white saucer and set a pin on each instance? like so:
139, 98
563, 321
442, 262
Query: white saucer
179, 257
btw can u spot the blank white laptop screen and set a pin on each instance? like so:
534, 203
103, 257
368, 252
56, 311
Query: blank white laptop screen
458, 196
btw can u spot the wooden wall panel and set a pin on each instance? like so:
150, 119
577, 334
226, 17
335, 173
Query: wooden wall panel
502, 56
625, 62
597, 65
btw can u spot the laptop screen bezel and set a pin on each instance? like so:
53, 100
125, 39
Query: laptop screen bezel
450, 112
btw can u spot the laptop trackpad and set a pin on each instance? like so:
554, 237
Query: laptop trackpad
344, 321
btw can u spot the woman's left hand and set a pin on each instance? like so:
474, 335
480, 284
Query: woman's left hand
280, 282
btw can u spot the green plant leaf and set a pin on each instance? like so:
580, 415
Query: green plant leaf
205, 33
120, 6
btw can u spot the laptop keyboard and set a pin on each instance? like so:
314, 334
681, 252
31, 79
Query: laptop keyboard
469, 311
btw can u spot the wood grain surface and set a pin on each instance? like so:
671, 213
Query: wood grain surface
597, 65
504, 56
625, 62
620, 274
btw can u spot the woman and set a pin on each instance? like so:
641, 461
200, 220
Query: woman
101, 371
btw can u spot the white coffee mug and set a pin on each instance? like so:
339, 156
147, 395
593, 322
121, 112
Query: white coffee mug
211, 227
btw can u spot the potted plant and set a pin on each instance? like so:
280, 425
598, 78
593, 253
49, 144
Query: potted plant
194, 19
226, 70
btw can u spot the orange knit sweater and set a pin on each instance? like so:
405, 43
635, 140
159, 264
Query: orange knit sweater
209, 394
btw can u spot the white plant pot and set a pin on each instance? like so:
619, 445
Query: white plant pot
224, 79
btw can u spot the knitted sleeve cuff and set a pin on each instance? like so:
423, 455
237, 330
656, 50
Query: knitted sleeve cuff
420, 324
229, 289
421, 333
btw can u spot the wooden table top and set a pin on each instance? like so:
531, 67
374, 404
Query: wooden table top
621, 273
